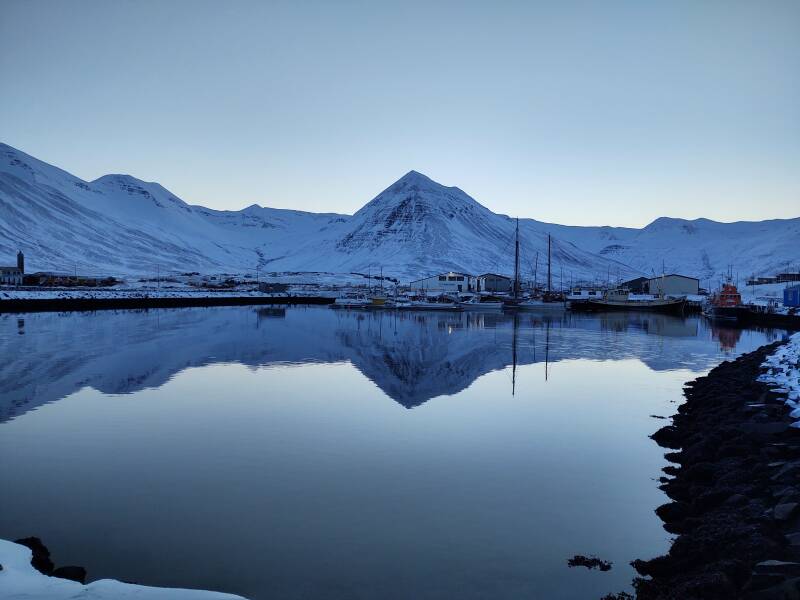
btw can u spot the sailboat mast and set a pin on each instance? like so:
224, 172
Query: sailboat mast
549, 278
516, 263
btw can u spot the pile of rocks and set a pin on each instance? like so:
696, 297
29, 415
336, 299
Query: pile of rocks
735, 492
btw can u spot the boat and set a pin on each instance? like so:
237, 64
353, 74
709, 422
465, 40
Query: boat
727, 304
623, 299
477, 303
578, 297
428, 305
352, 300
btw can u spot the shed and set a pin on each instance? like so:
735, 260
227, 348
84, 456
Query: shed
791, 296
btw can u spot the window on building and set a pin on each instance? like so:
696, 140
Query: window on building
442, 278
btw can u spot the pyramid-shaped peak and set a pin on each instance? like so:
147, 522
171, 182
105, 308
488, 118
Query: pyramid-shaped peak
415, 176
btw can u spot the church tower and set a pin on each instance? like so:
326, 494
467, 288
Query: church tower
21, 261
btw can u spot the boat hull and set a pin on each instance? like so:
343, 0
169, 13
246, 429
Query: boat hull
660, 306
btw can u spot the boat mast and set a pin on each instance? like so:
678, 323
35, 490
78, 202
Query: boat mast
549, 278
516, 262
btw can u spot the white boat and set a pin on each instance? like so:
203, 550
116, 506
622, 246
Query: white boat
426, 305
579, 297
475, 303
352, 301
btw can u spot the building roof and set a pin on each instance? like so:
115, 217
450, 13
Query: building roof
494, 275
673, 275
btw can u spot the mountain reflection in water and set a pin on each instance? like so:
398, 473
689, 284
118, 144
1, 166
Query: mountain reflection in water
411, 356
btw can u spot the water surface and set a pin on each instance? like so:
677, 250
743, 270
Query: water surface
313, 453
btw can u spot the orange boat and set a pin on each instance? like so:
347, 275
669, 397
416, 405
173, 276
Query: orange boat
727, 303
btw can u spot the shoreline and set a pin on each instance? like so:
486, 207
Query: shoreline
735, 491
23, 305
27, 574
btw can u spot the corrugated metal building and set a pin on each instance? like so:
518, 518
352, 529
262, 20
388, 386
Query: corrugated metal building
791, 296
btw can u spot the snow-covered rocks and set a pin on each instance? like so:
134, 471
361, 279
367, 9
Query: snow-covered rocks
20, 581
783, 373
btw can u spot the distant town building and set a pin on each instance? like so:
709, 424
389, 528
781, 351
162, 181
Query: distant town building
791, 296
13, 275
446, 283
785, 277
491, 282
762, 280
673, 285
637, 286
668, 285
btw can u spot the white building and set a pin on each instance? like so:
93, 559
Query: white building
13, 275
445, 283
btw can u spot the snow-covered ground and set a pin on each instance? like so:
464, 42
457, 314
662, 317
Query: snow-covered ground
784, 374
20, 581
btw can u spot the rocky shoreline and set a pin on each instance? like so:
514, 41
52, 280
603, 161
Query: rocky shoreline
735, 487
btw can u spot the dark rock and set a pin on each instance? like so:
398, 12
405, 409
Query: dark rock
764, 429
668, 437
590, 562
40, 554
71, 572
788, 590
783, 512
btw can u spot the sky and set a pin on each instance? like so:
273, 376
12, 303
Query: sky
584, 113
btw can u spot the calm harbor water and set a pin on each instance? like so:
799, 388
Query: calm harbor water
313, 453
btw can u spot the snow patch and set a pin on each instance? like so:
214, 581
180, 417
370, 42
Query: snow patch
783, 372
19, 580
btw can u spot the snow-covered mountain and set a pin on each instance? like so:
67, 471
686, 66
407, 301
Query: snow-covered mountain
118, 224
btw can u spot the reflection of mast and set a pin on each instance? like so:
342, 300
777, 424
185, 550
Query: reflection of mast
546, 349
516, 263
514, 355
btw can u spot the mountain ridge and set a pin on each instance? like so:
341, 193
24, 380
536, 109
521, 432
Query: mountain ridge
416, 227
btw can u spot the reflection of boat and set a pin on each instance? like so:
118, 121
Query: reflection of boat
622, 299
541, 304
351, 301
428, 305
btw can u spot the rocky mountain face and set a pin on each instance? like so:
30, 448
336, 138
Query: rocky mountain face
120, 225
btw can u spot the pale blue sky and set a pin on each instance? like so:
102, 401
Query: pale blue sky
574, 112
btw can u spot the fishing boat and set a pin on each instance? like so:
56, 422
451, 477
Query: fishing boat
727, 304
352, 300
578, 297
477, 303
440, 302
623, 299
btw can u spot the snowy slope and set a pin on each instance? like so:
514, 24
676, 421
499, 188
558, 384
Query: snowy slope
120, 225
417, 227
700, 247
20, 581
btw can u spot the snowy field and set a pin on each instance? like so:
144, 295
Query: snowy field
784, 373
20, 581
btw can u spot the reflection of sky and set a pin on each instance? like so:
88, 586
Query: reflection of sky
264, 458
305, 479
